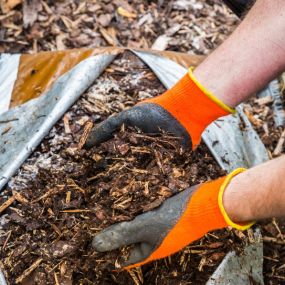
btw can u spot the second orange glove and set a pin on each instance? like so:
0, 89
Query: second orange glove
180, 220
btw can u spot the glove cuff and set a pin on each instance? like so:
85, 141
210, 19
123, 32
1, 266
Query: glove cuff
192, 105
223, 187
209, 94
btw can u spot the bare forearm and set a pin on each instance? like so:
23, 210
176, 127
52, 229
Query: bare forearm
257, 193
252, 56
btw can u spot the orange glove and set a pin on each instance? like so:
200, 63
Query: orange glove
184, 110
180, 220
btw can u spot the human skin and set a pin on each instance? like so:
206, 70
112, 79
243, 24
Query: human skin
257, 193
252, 56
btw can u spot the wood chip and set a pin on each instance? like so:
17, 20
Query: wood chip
8, 5
68, 197
28, 271
87, 129
76, 211
31, 9
123, 12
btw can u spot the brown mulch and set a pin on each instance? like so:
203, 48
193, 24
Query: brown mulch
65, 194
186, 26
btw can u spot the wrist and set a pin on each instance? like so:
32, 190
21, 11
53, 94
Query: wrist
192, 106
220, 86
237, 206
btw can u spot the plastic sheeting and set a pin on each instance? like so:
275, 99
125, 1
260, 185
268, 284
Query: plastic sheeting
273, 90
241, 269
24, 127
8, 70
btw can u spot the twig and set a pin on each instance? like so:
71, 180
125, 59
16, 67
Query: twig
6, 204
20, 198
7, 239
66, 124
28, 271
56, 279
49, 193
68, 197
75, 211
278, 229
134, 277
72, 183
273, 240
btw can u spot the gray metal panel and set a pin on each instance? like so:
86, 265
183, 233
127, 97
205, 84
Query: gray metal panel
24, 127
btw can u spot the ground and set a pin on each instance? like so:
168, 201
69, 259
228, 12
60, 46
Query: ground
187, 26
190, 26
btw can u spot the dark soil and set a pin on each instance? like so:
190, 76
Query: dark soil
68, 194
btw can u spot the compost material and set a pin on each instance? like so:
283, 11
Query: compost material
187, 26
63, 195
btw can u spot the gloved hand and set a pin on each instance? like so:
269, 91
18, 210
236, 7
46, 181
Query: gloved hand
185, 110
179, 221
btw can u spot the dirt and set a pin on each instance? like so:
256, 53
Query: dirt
66, 194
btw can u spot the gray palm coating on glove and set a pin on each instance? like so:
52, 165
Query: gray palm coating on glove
146, 231
149, 117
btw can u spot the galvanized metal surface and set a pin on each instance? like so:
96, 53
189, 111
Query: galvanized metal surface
24, 127
9, 64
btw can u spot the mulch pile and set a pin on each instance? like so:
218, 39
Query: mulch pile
63, 195
32, 238
180, 25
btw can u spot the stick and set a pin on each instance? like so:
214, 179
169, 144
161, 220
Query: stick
7, 239
273, 240
49, 193
20, 198
86, 132
56, 279
6, 204
71, 183
76, 211
28, 271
